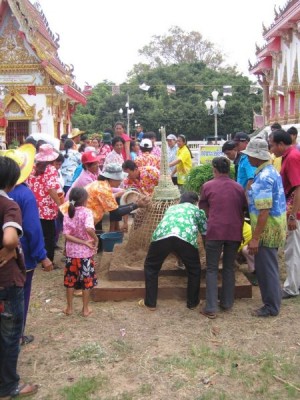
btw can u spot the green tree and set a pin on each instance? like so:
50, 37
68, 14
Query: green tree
193, 66
178, 46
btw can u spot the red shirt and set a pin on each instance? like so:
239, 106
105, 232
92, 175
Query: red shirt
126, 139
40, 186
290, 174
290, 169
225, 201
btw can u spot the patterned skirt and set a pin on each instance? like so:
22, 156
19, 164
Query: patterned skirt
80, 273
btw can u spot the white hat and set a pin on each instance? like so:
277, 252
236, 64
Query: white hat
171, 137
146, 144
258, 148
113, 171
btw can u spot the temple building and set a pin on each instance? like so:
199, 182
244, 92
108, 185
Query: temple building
277, 66
38, 92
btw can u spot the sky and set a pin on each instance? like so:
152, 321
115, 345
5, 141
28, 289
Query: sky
101, 38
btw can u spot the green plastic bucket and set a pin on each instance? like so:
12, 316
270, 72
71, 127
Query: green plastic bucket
109, 239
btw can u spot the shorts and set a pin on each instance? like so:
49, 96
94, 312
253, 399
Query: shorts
80, 273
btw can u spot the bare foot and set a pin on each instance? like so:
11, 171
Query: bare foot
86, 313
68, 312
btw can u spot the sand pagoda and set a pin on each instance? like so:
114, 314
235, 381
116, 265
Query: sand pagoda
122, 272
165, 194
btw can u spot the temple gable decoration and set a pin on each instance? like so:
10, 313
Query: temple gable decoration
15, 105
30, 72
279, 78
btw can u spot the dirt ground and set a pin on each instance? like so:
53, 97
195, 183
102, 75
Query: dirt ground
123, 351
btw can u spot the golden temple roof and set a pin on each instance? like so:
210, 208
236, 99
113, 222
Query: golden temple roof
34, 25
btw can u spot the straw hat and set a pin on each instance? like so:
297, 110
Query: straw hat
46, 153
75, 132
24, 157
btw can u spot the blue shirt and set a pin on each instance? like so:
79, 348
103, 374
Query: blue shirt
69, 165
266, 192
140, 136
77, 172
32, 240
245, 171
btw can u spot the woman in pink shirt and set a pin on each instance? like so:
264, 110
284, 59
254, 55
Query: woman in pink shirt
81, 245
120, 131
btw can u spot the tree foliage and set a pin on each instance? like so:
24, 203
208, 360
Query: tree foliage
182, 112
178, 46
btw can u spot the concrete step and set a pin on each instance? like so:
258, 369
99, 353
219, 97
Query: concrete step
125, 280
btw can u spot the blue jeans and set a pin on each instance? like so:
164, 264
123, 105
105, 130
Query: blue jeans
11, 325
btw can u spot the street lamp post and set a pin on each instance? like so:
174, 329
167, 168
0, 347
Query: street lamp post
215, 108
129, 112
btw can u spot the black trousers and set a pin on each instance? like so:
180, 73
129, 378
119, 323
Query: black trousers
267, 272
157, 253
48, 227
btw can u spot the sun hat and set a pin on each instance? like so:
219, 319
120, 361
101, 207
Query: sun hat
24, 157
89, 157
46, 153
241, 137
258, 148
106, 137
113, 171
146, 144
171, 137
75, 132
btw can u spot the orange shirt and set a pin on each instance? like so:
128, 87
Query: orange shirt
149, 177
100, 200
147, 159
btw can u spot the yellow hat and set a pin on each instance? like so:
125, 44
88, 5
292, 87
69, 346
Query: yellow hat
24, 157
75, 132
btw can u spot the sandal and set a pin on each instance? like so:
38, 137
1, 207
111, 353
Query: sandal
141, 303
21, 391
209, 315
27, 339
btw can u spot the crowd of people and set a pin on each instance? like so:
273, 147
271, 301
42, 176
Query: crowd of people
46, 191
254, 216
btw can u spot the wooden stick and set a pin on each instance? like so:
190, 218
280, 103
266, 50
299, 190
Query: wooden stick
284, 381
